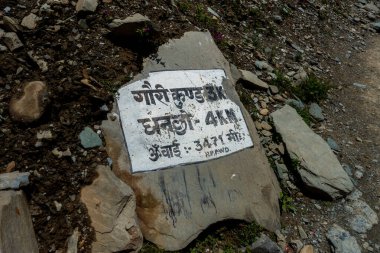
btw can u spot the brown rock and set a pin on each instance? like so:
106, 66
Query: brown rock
16, 233
265, 125
111, 205
307, 249
30, 21
264, 112
31, 105
10, 167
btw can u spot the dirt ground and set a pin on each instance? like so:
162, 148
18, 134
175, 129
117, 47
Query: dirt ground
361, 119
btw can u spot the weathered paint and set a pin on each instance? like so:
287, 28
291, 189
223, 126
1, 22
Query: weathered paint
180, 117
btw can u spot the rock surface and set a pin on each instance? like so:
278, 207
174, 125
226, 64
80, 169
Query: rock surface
265, 245
176, 204
342, 241
14, 180
318, 167
252, 79
17, 234
31, 105
111, 205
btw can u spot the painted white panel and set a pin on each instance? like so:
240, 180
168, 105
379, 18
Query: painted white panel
180, 117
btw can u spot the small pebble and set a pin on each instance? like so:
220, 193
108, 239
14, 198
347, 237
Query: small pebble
264, 112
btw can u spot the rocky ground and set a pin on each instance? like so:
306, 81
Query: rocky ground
81, 61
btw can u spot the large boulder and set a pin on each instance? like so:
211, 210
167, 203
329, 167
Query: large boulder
176, 204
16, 231
111, 205
318, 168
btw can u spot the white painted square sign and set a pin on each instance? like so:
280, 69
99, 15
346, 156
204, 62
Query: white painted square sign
180, 117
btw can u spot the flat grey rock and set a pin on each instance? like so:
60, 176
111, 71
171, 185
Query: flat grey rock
362, 217
342, 241
14, 180
332, 144
359, 85
176, 204
12, 41
316, 112
376, 26
265, 245
136, 18
86, 5
16, 231
252, 79
72, 242
263, 65
111, 205
319, 169
295, 103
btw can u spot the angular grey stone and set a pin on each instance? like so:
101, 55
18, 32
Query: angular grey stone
176, 204
265, 245
318, 168
332, 144
251, 78
262, 65
31, 105
136, 18
89, 139
273, 89
111, 206
86, 5
132, 29
14, 180
300, 75
359, 85
295, 103
316, 112
16, 233
12, 41
342, 241
371, 7
363, 217
376, 26
72, 242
